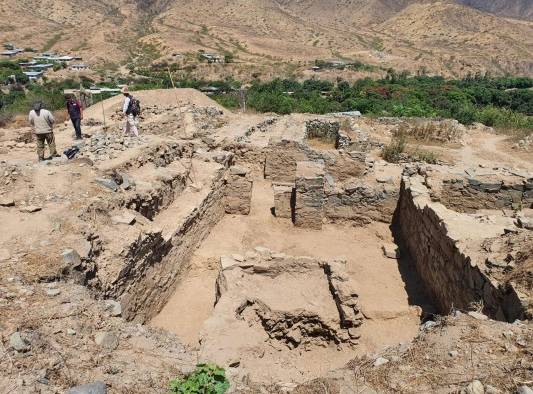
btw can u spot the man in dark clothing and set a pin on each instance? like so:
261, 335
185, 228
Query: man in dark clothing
76, 114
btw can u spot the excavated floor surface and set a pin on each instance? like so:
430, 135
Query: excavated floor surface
389, 295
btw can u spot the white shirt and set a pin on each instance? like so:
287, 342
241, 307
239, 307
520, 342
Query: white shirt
126, 104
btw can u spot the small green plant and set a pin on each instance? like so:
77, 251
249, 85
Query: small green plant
206, 379
425, 156
394, 149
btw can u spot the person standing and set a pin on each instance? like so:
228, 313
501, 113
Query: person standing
75, 112
42, 122
130, 127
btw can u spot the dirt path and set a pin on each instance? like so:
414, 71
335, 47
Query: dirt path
383, 295
489, 150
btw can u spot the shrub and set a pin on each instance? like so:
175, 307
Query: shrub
395, 148
425, 156
206, 379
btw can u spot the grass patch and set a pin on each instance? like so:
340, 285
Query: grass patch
52, 42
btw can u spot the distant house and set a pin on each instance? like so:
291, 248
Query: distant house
27, 64
33, 75
209, 90
213, 57
52, 57
11, 52
335, 63
40, 66
78, 67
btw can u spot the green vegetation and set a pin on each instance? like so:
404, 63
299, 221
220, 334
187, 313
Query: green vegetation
505, 102
393, 151
206, 379
52, 41
18, 98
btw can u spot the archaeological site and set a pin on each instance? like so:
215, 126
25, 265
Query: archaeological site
282, 248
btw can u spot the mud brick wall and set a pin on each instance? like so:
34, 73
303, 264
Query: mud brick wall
361, 203
449, 274
469, 195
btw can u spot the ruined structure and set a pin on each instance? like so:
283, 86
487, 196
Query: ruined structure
258, 247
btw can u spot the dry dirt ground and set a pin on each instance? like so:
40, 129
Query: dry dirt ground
121, 265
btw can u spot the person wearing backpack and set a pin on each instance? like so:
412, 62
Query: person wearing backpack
130, 109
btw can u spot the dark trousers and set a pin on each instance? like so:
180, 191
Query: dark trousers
76, 122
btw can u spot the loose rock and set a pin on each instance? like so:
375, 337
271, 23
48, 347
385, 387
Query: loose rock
476, 387
380, 361
18, 343
91, 388
106, 340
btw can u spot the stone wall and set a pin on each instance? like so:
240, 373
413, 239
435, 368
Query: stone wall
469, 195
238, 191
281, 158
154, 262
361, 202
283, 199
452, 276
309, 197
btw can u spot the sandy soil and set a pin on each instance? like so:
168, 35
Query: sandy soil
385, 300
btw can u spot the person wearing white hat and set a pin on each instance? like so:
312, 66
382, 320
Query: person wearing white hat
130, 127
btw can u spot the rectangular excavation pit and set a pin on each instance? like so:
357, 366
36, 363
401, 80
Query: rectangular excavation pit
298, 284
278, 305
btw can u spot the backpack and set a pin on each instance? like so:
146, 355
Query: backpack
71, 152
134, 107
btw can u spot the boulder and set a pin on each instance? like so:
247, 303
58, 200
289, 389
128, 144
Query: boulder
71, 258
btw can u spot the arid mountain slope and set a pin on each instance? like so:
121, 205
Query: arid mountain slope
512, 8
442, 37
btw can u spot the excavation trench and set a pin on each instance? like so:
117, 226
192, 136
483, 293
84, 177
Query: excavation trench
237, 261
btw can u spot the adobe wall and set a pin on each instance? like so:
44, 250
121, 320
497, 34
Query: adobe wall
452, 276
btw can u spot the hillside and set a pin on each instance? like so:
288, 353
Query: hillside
512, 8
274, 35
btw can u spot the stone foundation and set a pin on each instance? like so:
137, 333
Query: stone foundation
471, 194
310, 197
